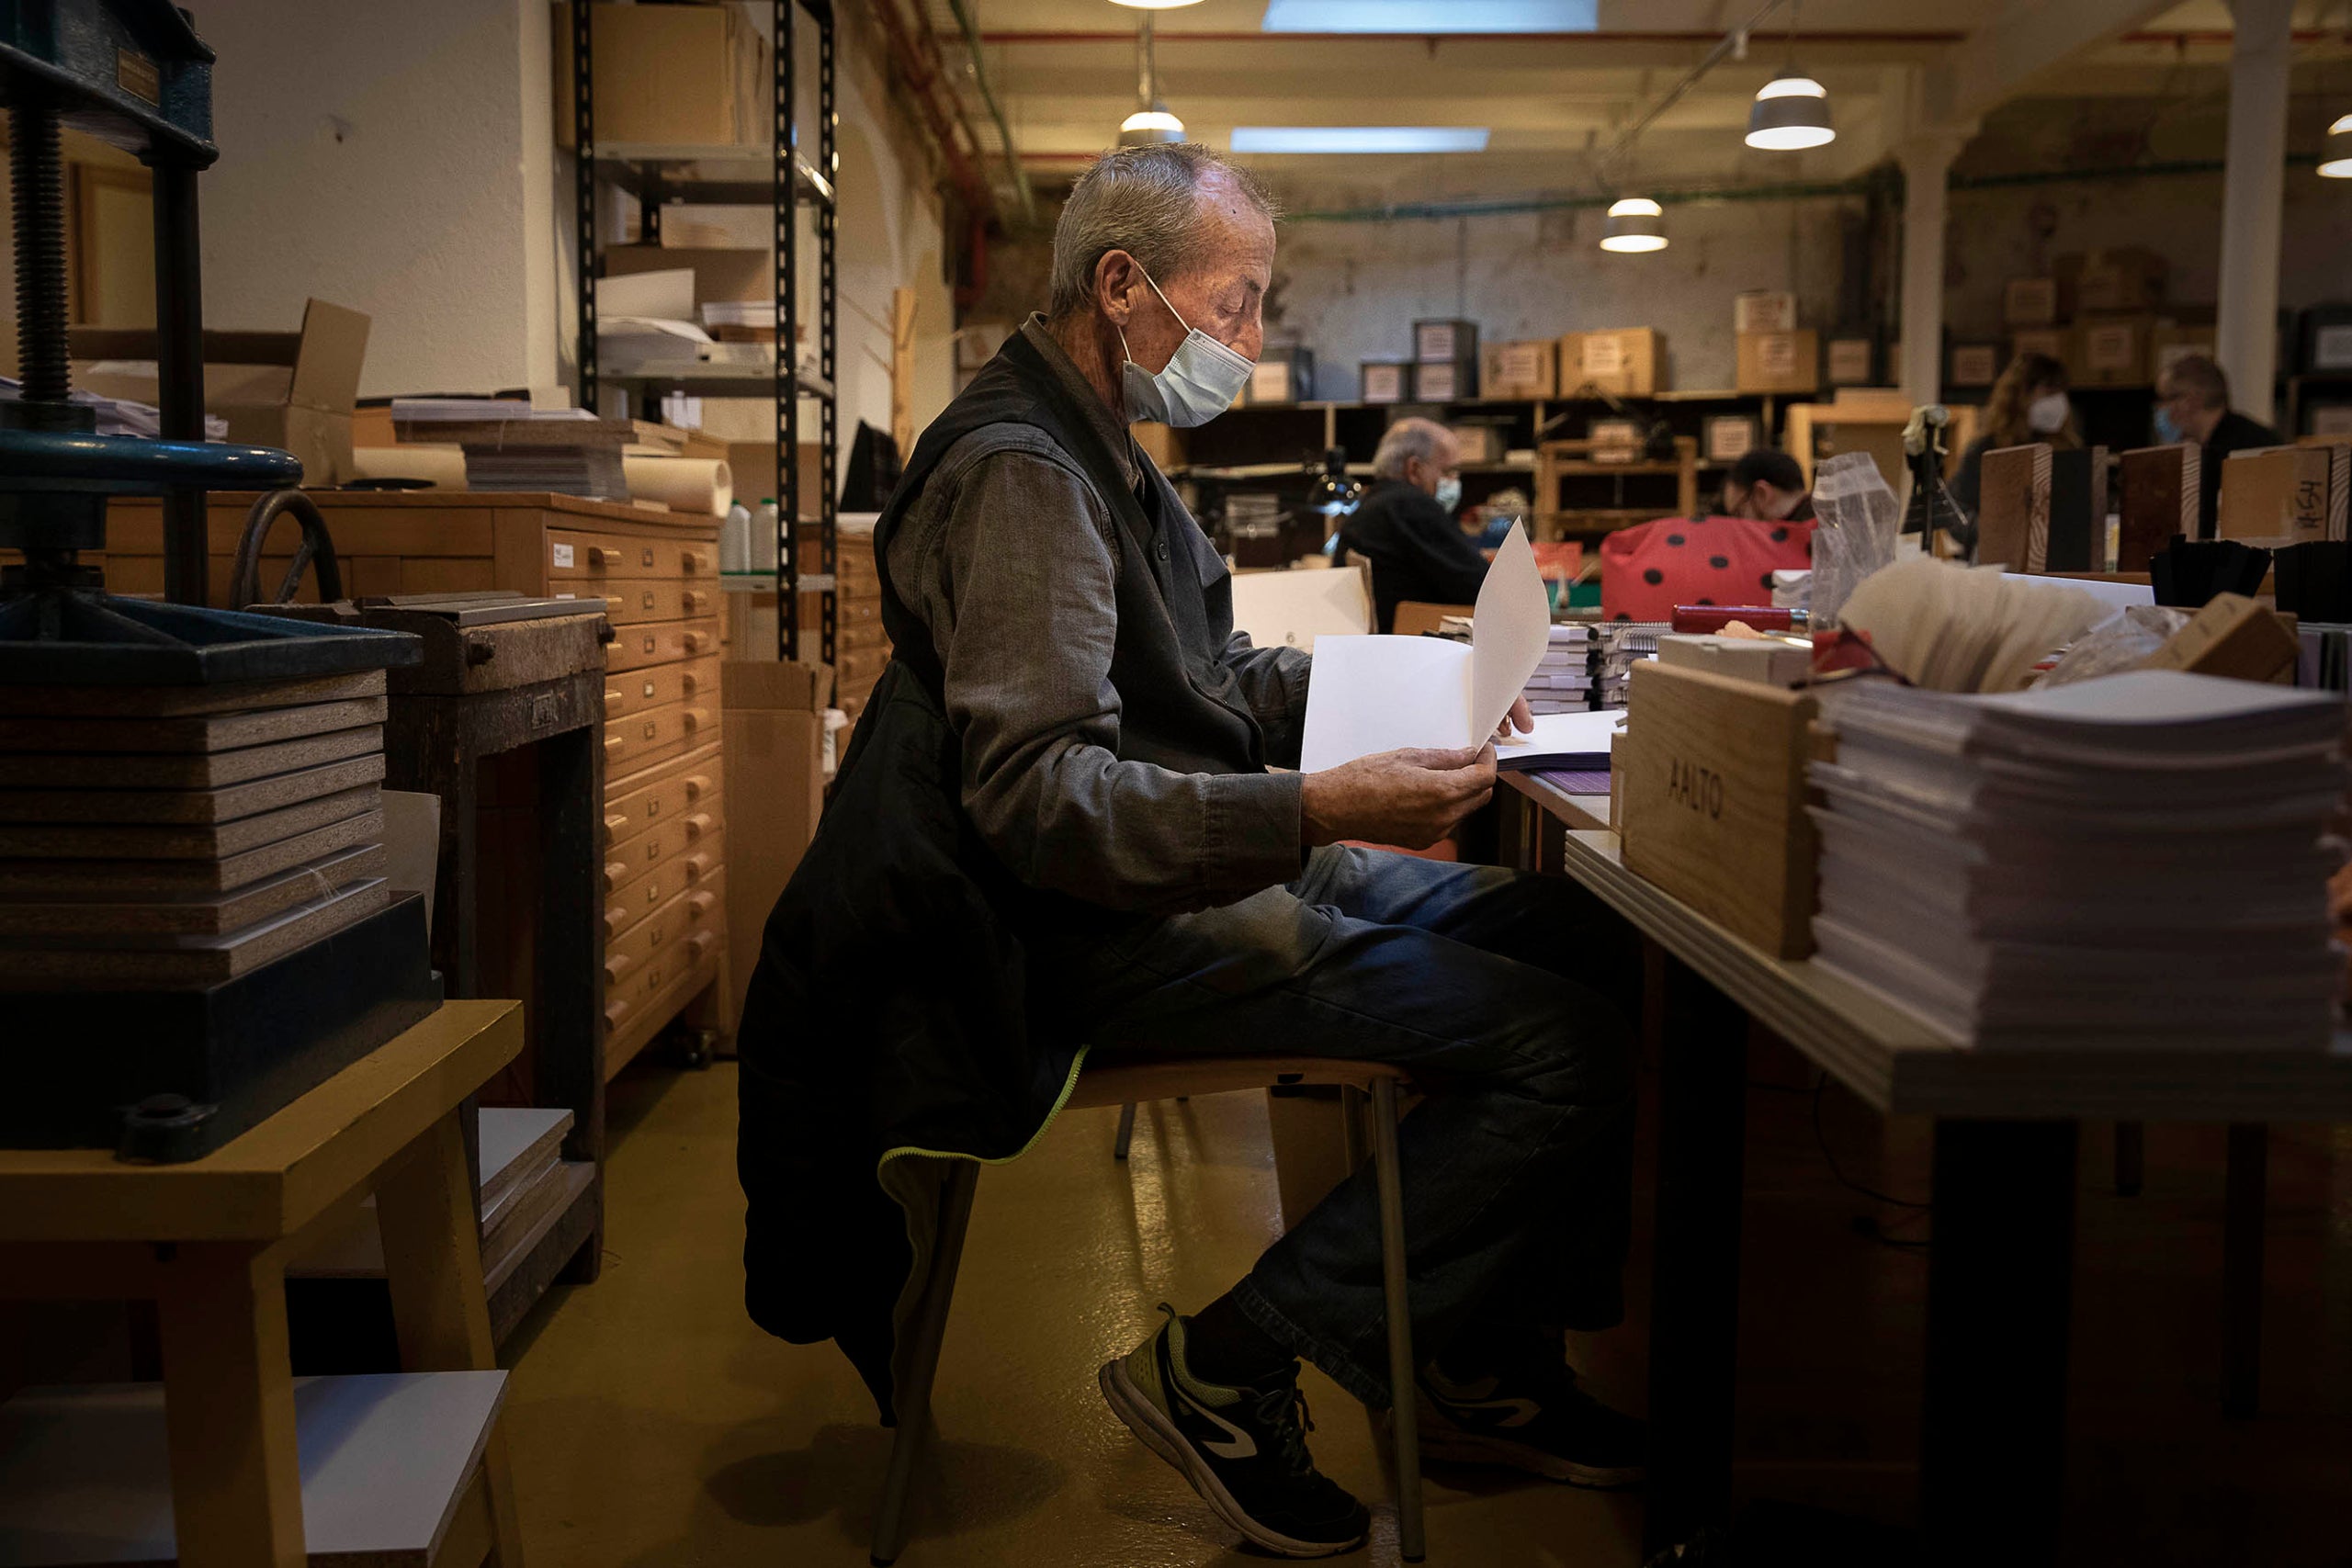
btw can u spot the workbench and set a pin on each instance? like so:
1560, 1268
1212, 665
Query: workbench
232, 1462
2000, 1267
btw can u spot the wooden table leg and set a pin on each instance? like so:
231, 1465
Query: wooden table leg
1694, 1291
2000, 1291
228, 1408
426, 1210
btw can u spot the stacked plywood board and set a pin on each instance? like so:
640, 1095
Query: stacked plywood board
164, 837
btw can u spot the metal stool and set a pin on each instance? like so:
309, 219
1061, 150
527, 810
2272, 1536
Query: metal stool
1125, 1083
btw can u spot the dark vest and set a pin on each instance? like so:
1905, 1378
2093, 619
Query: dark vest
1179, 706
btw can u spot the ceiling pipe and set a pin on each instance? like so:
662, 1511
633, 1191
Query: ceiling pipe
1028, 198
1735, 42
916, 55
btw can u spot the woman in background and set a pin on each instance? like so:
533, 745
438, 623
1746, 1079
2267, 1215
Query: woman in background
2029, 403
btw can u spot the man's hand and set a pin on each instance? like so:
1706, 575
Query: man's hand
1410, 798
1521, 717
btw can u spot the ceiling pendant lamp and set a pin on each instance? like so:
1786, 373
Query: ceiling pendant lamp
1635, 224
2335, 161
1151, 123
1791, 111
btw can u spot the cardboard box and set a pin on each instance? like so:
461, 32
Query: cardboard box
2284, 495
2235, 638
1974, 365
1164, 444
291, 391
679, 74
1447, 340
773, 726
2112, 351
734, 275
1626, 362
1763, 310
1713, 807
2126, 278
1447, 381
1281, 376
2331, 419
1728, 437
1385, 381
1529, 368
1615, 440
1479, 443
2029, 302
2053, 342
1849, 362
2171, 342
1778, 362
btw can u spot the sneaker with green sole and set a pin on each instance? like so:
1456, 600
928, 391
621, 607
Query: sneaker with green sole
1242, 1449
1531, 1416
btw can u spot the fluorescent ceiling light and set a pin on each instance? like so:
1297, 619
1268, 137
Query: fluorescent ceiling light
1424, 17
1359, 139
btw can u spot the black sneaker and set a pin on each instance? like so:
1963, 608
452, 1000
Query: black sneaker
1244, 1449
1534, 1417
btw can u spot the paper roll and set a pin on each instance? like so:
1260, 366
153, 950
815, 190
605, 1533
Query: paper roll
684, 484
444, 466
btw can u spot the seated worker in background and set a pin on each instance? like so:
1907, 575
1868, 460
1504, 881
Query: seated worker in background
2028, 404
1405, 523
2193, 404
1058, 826
1766, 484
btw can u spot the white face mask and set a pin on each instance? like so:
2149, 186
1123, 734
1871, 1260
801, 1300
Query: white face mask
2046, 415
1449, 491
1201, 381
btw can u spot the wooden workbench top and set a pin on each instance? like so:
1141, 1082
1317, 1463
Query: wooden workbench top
276, 1178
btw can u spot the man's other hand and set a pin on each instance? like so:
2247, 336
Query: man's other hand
1521, 719
1409, 798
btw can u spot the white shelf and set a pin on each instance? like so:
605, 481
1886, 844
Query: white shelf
86, 1472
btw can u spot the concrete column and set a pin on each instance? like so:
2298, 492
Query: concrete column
2247, 339
1926, 161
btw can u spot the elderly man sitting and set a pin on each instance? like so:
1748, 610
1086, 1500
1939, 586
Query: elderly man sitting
1060, 823
1405, 523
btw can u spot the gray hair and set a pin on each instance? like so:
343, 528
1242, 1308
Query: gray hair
1404, 441
1146, 202
2193, 375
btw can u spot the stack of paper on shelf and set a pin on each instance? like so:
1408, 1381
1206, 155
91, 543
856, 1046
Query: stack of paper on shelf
2131, 862
1621, 645
512, 446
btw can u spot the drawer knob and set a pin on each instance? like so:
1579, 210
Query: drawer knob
689, 682
695, 642
615, 918
614, 823
598, 555
695, 866
615, 1010
700, 903
616, 872
694, 599
697, 825
614, 743
614, 694
616, 966
696, 718
693, 561
700, 942
695, 784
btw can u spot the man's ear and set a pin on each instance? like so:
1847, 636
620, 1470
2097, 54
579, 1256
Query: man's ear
1116, 278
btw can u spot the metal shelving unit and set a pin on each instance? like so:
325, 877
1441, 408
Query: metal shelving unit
780, 176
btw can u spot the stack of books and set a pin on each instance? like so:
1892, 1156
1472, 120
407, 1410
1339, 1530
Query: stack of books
2133, 862
1563, 682
512, 446
1619, 646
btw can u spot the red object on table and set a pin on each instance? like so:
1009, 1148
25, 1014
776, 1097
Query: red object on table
1649, 569
1705, 618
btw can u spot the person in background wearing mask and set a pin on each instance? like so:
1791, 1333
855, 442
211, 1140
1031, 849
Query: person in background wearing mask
1768, 485
2029, 404
1405, 525
2193, 404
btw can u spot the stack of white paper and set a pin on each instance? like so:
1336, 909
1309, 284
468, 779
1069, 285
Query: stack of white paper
1563, 678
2132, 862
1623, 645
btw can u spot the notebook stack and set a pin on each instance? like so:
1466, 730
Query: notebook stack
2130, 863
1563, 682
512, 448
1621, 645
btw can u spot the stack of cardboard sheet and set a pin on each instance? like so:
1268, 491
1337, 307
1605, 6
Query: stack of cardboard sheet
164, 837
2132, 862
1619, 646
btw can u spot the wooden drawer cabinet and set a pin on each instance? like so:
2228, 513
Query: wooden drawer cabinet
661, 792
660, 642
633, 691
573, 555
656, 574
634, 900
861, 637
679, 919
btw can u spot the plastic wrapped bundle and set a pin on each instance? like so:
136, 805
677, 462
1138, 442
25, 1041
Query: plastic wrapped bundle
1860, 519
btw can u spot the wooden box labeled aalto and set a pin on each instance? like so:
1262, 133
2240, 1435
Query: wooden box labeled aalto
1710, 784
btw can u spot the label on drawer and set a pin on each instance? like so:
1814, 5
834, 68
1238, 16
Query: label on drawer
562, 556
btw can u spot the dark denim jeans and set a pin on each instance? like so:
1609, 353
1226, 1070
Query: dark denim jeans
1508, 995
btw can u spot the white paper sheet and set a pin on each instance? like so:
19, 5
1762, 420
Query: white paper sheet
1579, 740
1383, 694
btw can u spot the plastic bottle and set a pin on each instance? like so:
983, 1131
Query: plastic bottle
735, 543
763, 523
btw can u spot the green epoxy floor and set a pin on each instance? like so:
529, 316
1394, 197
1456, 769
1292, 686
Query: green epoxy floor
653, 1425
